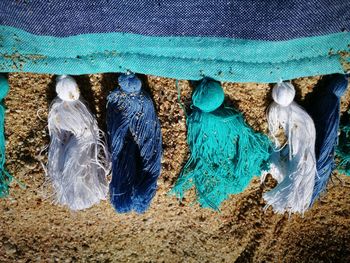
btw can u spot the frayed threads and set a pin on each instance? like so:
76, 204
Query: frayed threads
78, 159
5, 177
324, 108
135, 141
225, 152
293, 164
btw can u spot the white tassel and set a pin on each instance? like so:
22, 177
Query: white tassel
293, 164
78, 160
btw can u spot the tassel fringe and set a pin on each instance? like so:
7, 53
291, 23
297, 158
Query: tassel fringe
293, 164
78, 159
324, 108
136, 145
225, 152
5, 177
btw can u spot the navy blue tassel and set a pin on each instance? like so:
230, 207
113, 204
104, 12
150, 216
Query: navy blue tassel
136, 144
324, 109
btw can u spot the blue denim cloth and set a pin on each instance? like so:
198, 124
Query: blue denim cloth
245, 19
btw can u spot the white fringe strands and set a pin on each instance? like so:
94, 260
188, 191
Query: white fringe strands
293, 164
78, 159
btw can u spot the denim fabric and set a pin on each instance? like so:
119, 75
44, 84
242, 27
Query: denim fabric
243, 19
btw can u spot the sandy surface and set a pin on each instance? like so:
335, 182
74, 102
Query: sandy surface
32, 229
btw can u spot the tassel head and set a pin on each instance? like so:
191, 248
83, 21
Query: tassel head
130, 83
208, 96
283, 93
67, 89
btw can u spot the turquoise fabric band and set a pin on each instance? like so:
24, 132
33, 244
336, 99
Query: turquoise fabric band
224, 59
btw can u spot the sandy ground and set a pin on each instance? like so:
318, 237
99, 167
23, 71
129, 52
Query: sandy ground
32, 229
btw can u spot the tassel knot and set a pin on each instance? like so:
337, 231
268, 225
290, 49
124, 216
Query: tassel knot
67, 89
339, 85
130, 83
208, 96
283, 94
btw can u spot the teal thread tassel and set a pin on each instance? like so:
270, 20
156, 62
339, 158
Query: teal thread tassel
5, 177
343, 148
225, 152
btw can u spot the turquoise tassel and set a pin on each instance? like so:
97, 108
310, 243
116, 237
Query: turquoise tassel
225, 152
5, 177
343, 149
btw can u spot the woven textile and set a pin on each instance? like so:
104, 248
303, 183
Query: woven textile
232, 40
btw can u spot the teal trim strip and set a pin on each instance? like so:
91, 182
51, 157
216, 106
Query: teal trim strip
175, 57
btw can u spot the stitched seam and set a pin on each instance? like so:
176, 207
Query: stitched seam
97, 54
